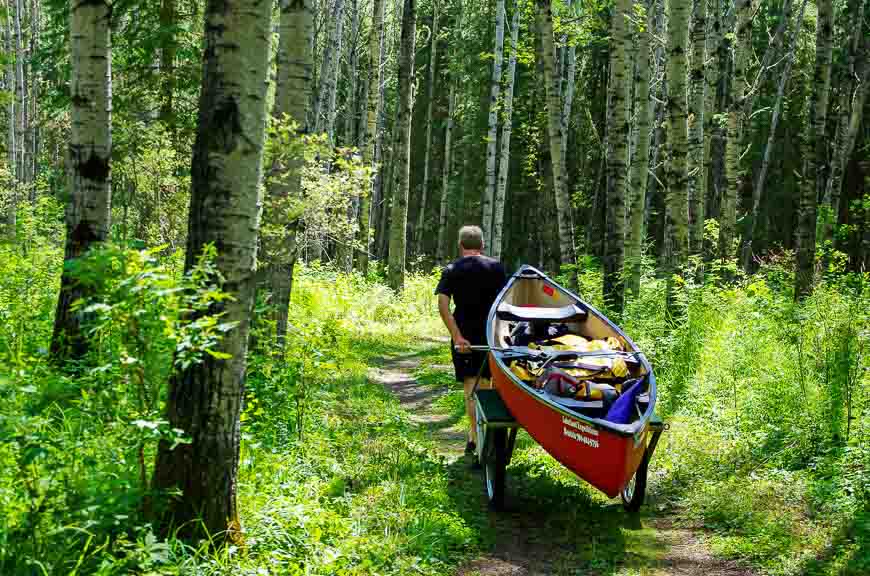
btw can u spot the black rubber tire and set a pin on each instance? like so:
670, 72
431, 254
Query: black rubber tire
634, 492
494, 468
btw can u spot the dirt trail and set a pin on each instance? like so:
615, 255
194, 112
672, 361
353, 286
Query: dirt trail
534, 537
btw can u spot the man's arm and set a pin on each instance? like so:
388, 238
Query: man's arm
447, 317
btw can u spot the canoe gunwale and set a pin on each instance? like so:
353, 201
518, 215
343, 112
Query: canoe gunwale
635, 429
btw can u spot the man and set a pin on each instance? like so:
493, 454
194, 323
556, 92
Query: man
473, 281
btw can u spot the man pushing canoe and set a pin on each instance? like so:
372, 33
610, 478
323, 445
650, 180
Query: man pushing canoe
473, 282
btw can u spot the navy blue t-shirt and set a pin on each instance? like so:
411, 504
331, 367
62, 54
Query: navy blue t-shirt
473, 282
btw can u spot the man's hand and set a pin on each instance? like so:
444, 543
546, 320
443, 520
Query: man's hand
461, 344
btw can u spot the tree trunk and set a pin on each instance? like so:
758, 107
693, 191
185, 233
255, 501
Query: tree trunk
758, 189
324, 119
374, 103
728, 212
402, 155
570, 56
492, 134
698, 180
712, 67
617, 158
445, 175
507, 126
205, 399
554, 107
640, 161
88, 212
344, 246
11, 215
815, 171
677, 168
851, 93
19, 99
292, 97
433, 67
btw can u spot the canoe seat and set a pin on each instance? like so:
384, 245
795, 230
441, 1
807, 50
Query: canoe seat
569, 313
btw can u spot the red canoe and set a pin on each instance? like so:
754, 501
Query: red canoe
604, 453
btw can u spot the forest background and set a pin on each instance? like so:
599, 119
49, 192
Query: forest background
698, 169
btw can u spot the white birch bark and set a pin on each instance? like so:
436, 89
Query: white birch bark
326, 89
492, 133
420, 229
506, 127
205, 399
374, 105
88, 212
445, 176
698, 179
640, 160
554, 107
292, 97
402, 155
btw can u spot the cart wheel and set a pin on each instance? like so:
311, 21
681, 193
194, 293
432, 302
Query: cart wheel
634, 492
494, 468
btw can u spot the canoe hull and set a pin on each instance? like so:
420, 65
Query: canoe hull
603, 458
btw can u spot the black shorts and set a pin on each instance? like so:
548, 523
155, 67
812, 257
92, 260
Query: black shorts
468, 365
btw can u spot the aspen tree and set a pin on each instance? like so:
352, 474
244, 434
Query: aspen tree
554, 107
402, 155
617, 158
640, 161
88, 211
492, 134
424, 195
292, 97
205, 398
506, 128
374, 103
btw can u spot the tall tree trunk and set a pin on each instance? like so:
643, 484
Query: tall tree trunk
640, 161
698, 179
20, 101
205, 399
677, 167
433, 67
617, 158
292, 97
402, 155
11, 215
35, 27
728, 212
445, 175
344, 246
374, 103
324, 119
492, 134
815, 152
758, 189
570, 56
554, 107
88, 212
852, 93
712, 68
506, 127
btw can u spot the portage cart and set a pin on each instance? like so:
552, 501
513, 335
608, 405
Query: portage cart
497, 434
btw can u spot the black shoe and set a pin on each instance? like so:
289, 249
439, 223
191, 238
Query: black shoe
470, 448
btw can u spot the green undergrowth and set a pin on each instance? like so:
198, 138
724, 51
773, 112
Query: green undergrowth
766, 455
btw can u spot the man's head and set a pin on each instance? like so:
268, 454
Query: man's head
470, 239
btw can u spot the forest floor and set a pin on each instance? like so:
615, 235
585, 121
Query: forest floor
548, 526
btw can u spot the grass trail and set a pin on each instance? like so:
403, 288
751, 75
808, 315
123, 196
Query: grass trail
553, 523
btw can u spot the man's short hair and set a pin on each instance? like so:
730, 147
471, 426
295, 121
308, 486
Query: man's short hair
471, 237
